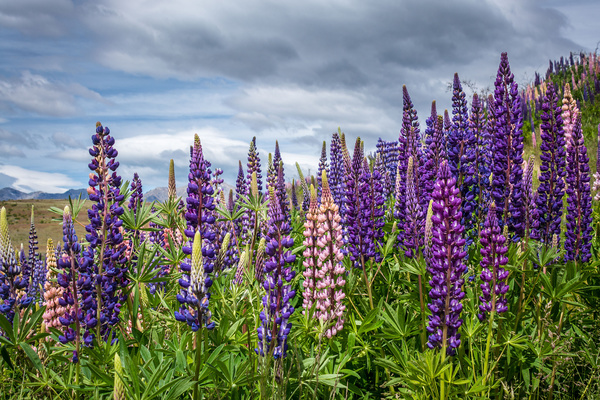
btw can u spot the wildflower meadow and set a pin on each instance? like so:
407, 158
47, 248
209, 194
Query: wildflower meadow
458, 260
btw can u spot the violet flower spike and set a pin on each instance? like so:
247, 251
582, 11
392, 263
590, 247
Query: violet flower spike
446, 264
552, 170
579, 200
493, 274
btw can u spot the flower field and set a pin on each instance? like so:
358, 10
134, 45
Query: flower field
458, 260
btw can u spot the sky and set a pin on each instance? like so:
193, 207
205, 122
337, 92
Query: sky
158, 72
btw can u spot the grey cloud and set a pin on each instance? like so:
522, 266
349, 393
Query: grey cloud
64, 140
37, 17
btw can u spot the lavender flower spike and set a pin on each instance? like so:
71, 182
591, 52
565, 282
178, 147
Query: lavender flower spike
446, 264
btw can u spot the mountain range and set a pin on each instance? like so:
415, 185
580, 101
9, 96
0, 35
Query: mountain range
157, 194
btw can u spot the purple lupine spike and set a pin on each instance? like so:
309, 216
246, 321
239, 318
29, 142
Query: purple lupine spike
458, 143
274, 328
366, 234
446, 264
200, 222
294, 196
353, 217
413, 230
447, 127
597, 174
281, 192
331, 272
11, 274
105, 256
277, 155
435, 152
430, 126
79, 292
552, 185
336, 171
461, 148
410, 143
253, 165
481, 160
137, 195
323, 166
388, 159
194, 296
508, 151
579, 200
38, 268
493, 275
310, 254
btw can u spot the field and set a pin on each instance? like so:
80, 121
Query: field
458, 261
47, 223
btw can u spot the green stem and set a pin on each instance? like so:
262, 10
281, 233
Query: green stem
198, 361
367, 281
488, 346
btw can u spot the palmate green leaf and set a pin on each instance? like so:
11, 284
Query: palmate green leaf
369, 323
6, 357
7, 328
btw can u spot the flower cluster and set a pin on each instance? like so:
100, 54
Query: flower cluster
579, 201
552, 185
11, 277
446, 264
508, 150
105, 233
274, 328
195, 280
493, 275
53, 292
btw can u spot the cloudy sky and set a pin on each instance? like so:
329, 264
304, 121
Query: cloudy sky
157, 72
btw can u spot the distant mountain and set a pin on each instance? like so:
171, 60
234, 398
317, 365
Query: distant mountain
14, 194
160, 194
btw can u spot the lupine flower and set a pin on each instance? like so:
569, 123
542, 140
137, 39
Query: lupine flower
480, 188
305, 191
323, 166
569, 113
428, 232
53, 292
274, 328
435, 151
336, 170
11, 277
460, 143
104, 231
552, 185
414, 216
446, 264
281, 192
253, 165
330, 271
531, 219
597, 174
36, 265
493, 275
200, 221
271, 173
579, 200
79, 292
388, 158
311, 253
119, 385
195, 282
172, 186
241, 269
137, 195
294, 196
259, 262
508, 150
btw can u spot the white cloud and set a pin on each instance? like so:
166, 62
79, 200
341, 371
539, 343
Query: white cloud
34, 93
28, 180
